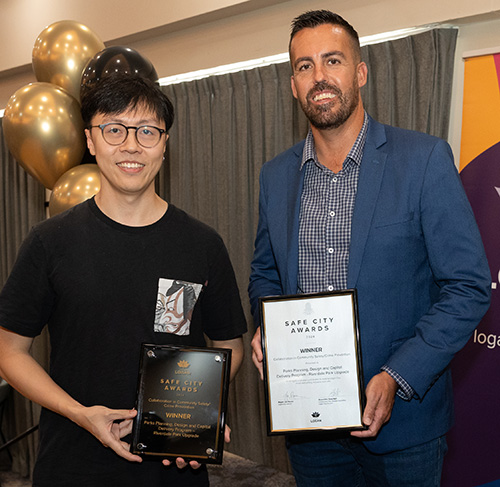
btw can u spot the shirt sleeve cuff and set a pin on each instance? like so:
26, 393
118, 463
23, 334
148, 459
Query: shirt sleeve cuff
405, 391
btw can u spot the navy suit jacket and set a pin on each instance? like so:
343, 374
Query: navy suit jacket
416, 260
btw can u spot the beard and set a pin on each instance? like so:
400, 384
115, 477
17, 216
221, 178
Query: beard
326, 116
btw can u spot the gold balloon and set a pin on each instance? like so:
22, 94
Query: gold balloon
61, 52
43, 129
75, 186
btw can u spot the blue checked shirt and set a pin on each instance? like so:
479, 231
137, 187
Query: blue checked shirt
327, 205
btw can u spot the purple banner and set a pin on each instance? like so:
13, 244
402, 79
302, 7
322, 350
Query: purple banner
473, 458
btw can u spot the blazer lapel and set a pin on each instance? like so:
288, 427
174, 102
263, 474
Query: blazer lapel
295, 182
370, 179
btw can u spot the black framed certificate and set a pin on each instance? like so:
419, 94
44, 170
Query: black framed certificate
313, 372
181, 403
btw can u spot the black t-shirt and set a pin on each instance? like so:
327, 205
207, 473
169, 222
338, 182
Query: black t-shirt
105, 288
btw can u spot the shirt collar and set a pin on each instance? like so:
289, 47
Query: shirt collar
356, 152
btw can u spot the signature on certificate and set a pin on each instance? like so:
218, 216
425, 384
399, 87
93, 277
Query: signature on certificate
290, 395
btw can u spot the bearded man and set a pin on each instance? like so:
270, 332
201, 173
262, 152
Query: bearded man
367, 206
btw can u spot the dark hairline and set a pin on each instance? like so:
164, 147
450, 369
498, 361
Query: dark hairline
316, 18
119, 93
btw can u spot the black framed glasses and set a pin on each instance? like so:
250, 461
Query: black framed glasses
116, 134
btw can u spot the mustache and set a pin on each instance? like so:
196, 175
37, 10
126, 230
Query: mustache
323, 86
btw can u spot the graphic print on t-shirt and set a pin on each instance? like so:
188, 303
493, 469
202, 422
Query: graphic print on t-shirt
174, 306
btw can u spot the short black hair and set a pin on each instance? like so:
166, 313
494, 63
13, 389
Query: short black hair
119, 92
315, 18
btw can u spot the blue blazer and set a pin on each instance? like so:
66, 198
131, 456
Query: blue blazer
416, 260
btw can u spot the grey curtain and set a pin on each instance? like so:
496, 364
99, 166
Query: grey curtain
22, 204
227, 126
410, 80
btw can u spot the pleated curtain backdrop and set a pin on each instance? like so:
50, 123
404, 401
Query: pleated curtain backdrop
22, 204
410, 80
226, 127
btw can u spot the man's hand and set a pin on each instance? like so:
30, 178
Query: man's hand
109, 426
257, 356
181, 463
227, 434
380, 394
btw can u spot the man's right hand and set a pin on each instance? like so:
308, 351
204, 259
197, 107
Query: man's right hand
109, 426
24, 373
257, 356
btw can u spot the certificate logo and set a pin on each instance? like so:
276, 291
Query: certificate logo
315, 417
183, 364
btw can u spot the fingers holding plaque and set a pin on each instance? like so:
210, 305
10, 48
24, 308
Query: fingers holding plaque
181, 403
312, 362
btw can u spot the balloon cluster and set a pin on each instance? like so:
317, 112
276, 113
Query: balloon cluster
42, 124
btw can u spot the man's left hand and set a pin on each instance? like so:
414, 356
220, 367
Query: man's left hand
181, 463
380, 394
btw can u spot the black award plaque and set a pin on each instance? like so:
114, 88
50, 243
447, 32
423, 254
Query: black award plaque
181, 403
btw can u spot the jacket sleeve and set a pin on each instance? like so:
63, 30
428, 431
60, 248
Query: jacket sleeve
459, 268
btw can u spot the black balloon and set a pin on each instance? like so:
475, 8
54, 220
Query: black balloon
116, 59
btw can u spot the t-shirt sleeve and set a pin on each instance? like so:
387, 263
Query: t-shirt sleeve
27, 298
222, 314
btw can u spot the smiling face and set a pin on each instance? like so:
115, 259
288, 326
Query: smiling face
327, 75
128, 168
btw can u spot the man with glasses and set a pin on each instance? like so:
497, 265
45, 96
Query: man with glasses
118, 270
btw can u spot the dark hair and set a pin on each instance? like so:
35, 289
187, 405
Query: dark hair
119, 92
315, 18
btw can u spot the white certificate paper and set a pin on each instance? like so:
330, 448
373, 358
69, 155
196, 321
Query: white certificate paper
312, 362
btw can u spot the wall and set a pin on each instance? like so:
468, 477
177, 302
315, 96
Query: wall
22, 20
474, 36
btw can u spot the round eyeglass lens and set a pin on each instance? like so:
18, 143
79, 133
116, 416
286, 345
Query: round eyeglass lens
147, 136
114, 133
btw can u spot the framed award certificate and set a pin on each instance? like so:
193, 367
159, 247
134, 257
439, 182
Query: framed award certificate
181, 403
312, 362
